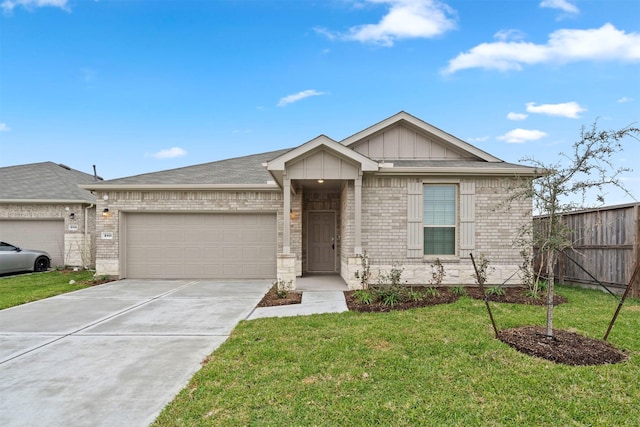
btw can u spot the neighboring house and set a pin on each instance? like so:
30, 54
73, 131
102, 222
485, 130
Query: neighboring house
42, 207
401, 190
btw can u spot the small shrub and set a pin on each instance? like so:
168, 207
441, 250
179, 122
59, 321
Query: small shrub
495, 290
532, 294
543, 286
364, 296
365, 275
482, 265
413, 295
282, 287
459, 291
432, 292
437, 273
391, 297
395, 274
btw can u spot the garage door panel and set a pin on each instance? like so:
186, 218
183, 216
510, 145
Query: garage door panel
44, 235
177, 245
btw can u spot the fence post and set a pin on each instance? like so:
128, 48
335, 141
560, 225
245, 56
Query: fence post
635, 287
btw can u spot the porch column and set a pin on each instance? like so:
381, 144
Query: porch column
358, 215
286, 232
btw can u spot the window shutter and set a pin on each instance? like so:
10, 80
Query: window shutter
414, 219
467, 218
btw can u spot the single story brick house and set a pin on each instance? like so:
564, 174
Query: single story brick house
402, 190
42, 207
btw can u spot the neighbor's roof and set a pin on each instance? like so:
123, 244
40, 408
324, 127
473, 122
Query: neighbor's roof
240, 171
44, 182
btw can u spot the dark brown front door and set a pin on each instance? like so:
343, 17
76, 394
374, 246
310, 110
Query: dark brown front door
321, 242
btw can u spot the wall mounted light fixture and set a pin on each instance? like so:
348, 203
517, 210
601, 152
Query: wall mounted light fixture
106, 213
72, 215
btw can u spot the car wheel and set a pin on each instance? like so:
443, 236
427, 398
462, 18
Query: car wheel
41, 264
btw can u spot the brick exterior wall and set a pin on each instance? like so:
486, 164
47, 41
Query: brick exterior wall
384, 232
108, 252
79, 250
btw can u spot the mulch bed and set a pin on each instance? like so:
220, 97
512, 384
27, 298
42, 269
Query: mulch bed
272, 299
516, 295
565, 347
445, 297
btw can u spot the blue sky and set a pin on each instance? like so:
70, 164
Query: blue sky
138, 86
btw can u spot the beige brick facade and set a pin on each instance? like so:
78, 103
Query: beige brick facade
79, 243
108, 255
384, 226
384, 232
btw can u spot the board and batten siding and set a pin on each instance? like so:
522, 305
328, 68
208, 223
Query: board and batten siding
415, 234
467, 217
401, 142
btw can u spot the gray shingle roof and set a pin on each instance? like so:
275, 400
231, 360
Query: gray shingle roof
240, 170
44, 181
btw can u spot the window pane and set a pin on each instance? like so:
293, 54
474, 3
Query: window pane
439, 240
439, 205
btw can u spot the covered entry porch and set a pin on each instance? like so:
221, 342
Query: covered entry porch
322, 192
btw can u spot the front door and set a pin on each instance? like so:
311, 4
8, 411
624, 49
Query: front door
321, 244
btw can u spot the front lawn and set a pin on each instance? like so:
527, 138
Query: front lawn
438, 365
16, 290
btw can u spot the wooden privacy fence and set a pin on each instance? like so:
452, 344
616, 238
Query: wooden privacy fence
606, 243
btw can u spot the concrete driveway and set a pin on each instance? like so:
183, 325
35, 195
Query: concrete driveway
115, 354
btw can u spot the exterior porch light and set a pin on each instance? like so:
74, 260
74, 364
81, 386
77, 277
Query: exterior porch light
105, 213
292, 215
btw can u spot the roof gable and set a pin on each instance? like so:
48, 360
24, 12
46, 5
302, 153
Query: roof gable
405, 137
46, 181
322, 157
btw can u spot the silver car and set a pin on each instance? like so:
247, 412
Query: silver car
14, 259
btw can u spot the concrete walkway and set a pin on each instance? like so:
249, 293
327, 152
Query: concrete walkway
320, 294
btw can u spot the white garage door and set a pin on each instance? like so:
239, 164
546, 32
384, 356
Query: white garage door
43, 235
186, 246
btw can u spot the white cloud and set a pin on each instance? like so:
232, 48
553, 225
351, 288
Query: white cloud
4, 127
505, 35
478, 139
406, 19
9, 5
290, 99
625, 99
517, 116
518, 136
563, 5
564, 46
170, 153
567, 109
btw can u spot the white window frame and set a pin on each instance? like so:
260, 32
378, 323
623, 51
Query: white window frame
456, 226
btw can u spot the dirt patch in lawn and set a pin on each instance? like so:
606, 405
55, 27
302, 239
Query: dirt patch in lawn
516, 295
272, 299
564, 347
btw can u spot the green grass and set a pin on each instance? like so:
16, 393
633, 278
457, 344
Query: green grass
432, 366
16, 290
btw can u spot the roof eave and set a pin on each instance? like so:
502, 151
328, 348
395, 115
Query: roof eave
51, 201
247, 187
467, 171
